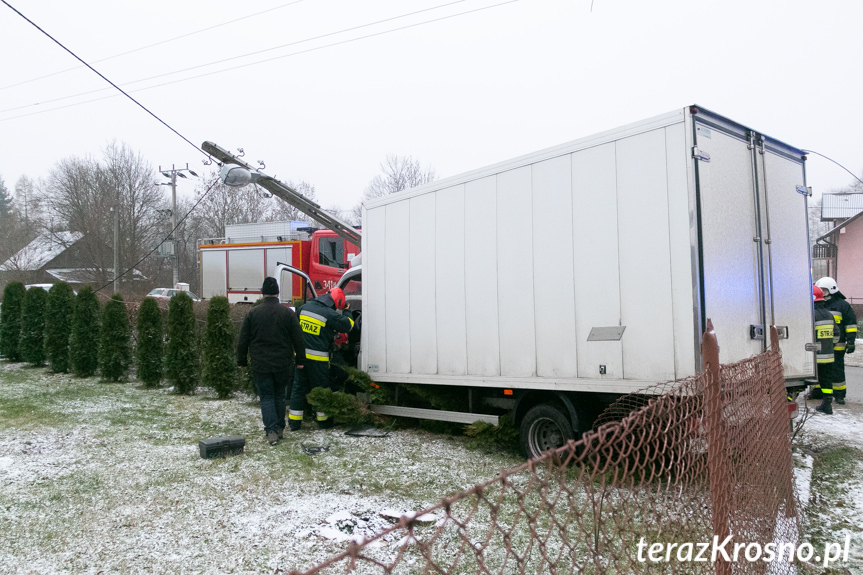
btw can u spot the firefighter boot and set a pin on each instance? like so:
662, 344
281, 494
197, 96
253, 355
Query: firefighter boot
839, 396
826, 406
295, 420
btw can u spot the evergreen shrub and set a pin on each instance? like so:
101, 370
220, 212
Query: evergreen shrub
10, 320
150, 343
33, 326
182, 355
115, 349
83, 343
219, 356
58, 326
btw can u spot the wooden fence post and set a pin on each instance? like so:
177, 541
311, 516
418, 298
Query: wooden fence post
717, 438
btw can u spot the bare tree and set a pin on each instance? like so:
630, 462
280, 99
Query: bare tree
221, 205
29, 206
855, 187
398, 173
74, 193
138, 200
13, 236
80, 194
282, 211
816, 226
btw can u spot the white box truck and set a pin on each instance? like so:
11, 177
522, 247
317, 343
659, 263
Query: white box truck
543, 284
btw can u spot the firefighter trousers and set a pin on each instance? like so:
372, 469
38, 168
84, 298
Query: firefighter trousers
839, 385
313, 374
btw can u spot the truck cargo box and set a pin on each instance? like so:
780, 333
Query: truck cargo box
593, 265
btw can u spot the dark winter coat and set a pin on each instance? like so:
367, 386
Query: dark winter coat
824, 356
846, 331
320, 323
269, 332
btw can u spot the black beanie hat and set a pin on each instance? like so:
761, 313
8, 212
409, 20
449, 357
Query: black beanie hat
270, 287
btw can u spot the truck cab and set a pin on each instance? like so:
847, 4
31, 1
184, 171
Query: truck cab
235, 266
330, 257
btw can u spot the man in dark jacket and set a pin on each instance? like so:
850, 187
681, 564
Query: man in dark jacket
320, 319
845, 336
270, 331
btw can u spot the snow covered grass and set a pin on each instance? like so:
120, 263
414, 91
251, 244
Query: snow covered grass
100, 477
829, 457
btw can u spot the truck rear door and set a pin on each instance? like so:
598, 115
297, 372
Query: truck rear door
783, 195
753, 242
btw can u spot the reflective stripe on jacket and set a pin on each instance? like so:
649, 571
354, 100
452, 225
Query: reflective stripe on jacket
320, 323
824, 328
846, 331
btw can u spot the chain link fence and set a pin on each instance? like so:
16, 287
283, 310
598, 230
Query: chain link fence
665, 477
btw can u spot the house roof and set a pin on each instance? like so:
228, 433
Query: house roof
85, 275
40, 251
840, 226
838, 206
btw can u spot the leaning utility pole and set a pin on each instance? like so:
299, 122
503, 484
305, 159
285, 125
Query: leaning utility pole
286, 193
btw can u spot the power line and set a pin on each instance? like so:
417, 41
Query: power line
160, 120
372, 35
255, 53
222, 61
153, 45
206, 192
853, 175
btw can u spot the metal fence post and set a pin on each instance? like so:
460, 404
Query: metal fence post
717, 439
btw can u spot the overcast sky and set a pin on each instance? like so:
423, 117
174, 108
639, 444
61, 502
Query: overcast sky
457, 85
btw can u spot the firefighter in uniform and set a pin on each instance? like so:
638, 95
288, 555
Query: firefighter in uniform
844, 335
321, 320
825, 325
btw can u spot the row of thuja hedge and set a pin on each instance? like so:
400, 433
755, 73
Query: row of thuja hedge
189, 344
75, 334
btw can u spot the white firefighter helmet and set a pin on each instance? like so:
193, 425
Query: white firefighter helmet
828, 285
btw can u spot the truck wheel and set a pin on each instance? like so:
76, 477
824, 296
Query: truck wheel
544, 427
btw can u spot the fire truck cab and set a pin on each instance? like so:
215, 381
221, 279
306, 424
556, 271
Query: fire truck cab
235, 266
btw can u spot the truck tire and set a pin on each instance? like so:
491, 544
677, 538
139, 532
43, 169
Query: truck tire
544, 427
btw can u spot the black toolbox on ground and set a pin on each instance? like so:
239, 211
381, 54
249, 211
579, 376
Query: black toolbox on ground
222, 446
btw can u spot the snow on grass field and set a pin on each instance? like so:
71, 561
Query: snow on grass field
98, 477
829, 453
107, 478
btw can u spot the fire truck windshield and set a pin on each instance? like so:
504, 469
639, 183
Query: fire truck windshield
331, 252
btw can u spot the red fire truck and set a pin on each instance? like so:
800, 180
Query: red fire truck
236, 265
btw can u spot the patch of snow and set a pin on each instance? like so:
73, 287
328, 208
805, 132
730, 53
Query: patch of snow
126, 490
41, 251
845, 422
803, 477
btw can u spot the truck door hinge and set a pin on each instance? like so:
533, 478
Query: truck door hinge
756, 332
700, 155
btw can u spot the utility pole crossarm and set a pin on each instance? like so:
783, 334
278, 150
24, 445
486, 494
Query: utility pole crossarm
288, 194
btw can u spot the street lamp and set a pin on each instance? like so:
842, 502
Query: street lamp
237, 176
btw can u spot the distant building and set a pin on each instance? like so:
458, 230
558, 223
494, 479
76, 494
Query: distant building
53, 257
840, 250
